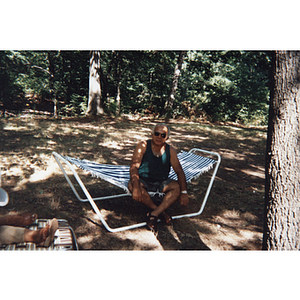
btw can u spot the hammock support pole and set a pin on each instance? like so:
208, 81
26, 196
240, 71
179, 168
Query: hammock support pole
59, 159
218, 161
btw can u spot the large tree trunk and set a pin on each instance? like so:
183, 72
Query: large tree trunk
95, 103
170, 101
282, 207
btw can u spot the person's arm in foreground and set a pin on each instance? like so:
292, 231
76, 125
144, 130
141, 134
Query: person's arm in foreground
184, 198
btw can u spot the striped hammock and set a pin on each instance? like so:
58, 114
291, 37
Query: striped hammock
193, 166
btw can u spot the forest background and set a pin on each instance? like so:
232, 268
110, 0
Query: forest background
230, 86
208, 25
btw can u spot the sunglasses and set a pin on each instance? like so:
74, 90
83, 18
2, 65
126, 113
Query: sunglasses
163, 135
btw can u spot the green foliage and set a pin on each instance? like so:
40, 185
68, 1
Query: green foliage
76, 107
111, 107
146, 80
36, 78
228, 85
218, 85
11, 93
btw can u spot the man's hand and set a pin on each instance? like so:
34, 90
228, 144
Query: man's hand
137, 194
184, 199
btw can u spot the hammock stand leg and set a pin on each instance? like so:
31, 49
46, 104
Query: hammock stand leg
216, 167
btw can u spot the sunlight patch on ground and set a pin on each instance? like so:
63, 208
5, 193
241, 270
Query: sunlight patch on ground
137, 137
256, 173
13, 171
230, 154
111, 144
39, 172
195, 138
44, 148
141, 239
13, 127
85, 239
43, 174
231, 230
174, 234
51, 143
224, 239
229, 169
66, 130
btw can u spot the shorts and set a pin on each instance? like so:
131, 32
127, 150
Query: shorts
155, 186
11, 235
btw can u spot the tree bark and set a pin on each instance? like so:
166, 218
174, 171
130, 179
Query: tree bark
282, 191
169, 103
95, 103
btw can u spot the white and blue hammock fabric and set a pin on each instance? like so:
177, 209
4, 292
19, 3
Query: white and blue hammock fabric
193, 166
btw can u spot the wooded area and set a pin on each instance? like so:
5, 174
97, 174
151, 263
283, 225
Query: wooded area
212, 85
234, 86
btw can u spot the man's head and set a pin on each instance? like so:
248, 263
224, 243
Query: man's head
160, 131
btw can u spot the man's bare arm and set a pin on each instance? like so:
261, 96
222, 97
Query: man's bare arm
184, 199
134, 169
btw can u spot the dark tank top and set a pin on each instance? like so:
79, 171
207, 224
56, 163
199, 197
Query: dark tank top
155, 168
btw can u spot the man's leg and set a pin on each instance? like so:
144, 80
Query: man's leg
14, 235
44, 236
146, 199
36, 236
11, 235
20, 220
172, 193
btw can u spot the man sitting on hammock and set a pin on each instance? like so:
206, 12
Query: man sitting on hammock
149, 171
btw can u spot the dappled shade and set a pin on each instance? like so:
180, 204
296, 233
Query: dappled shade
232, 218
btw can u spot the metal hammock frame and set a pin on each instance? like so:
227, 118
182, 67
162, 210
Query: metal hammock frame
90, 167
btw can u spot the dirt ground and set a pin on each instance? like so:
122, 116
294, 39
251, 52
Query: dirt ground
231, 220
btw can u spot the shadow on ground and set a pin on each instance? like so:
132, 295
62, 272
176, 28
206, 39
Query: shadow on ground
232, 218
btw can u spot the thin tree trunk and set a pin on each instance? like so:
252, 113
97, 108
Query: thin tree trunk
169, 103
95, 103
119, 74
51, 82
282, 197
118, 100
